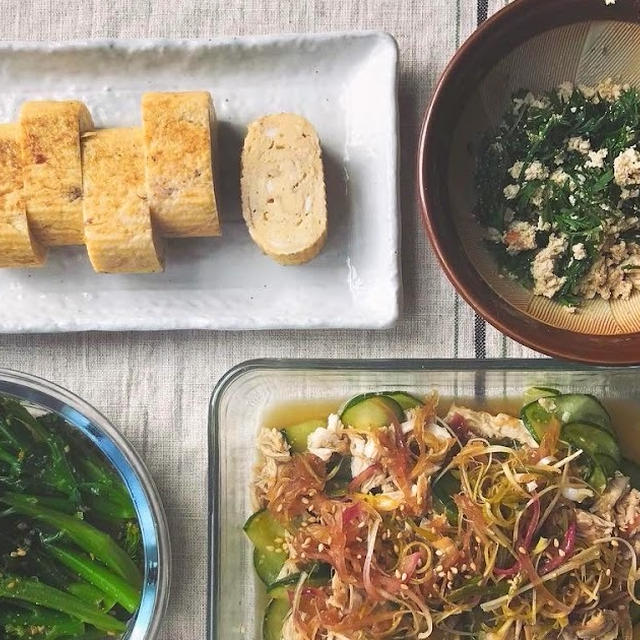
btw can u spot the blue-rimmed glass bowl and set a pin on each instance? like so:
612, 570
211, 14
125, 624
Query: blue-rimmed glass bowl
45, 395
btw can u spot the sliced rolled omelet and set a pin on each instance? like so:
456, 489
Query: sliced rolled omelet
50, 138
283, 190
18, 247
117, 221
178, 130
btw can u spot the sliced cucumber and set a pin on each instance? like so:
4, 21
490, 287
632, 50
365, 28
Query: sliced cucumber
632, 470
371, 411
570, 407
443, 491
268, 556
581, 407
592, 439
319, 576
536, 419
404, 399
597, 479
297, 434
534, 393
274, 617
608, 465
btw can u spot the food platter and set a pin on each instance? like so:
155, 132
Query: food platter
344, 83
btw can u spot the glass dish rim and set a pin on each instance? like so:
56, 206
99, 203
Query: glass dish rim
82, 416
348, 364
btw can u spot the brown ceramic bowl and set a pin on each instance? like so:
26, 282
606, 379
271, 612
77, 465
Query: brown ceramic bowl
535, 44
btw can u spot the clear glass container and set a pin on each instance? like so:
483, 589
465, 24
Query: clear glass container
153, 524
248, 394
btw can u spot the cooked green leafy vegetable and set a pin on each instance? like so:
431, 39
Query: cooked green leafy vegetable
558, 186
70, 542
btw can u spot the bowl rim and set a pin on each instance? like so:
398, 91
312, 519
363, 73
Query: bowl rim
619, 349
124, 459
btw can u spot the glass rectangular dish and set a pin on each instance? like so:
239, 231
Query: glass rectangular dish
248, 393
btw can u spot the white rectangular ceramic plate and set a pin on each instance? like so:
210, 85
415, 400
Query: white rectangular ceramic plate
345, 84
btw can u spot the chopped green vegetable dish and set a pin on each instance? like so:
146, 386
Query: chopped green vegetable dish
558, 186
70, 542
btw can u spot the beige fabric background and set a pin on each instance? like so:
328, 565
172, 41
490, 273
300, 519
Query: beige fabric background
156, 387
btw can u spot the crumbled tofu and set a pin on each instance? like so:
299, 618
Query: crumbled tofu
531, 101
611, 277
587, 92
565, 91
579, 144
493, 235
609, 90
596, 159
626, 167
542, 225
537, 199
536, 171
559, 158
578, 251
628, 194
511, 191
594, 280
520, 236
546, 282
560, 177
516, 170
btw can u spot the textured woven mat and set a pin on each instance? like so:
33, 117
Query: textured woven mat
156, 387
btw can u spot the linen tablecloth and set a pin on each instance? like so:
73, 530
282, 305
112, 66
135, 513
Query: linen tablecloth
155, 386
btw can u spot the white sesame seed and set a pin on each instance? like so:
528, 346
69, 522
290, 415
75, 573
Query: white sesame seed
454, 570
403, 576
556, 544
561, 553
439, 552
